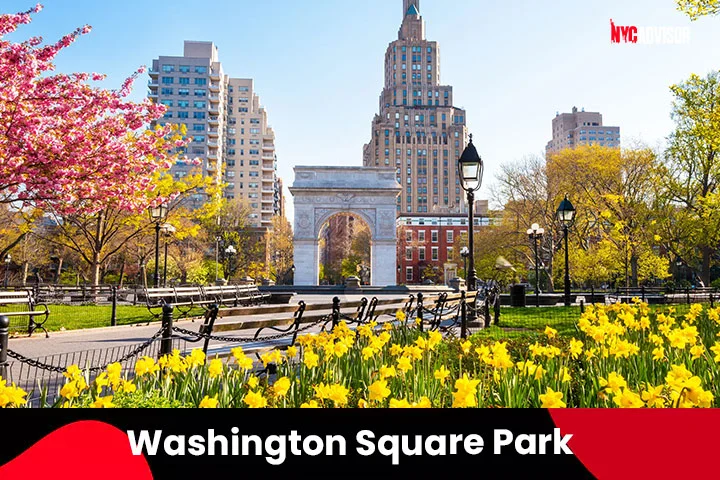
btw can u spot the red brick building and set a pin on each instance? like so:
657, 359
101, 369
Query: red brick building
426, 244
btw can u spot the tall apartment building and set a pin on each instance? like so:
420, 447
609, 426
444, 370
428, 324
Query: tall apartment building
581, 128
226, 123
418, 129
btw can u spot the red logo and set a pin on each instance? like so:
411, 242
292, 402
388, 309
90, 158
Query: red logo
620, 34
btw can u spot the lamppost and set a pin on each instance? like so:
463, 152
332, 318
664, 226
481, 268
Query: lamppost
471, 168
465, 253
157, 215
168, 230
566, 217
230, 251
8, 259
536, 233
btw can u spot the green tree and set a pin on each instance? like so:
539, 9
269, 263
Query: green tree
690, 177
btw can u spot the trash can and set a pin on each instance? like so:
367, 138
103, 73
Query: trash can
517, 296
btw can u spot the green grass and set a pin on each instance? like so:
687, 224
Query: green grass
76, 317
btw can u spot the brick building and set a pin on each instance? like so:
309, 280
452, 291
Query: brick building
427, 243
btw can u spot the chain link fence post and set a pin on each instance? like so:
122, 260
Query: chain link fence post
419, 317
4, 336
463, 315
113, 314
167, 331
336, 312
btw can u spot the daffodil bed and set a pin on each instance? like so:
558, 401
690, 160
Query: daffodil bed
627, 356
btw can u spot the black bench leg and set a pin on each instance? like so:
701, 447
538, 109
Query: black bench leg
37, 326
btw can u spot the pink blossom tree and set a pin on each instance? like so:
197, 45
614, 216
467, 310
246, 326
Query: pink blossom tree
66, 145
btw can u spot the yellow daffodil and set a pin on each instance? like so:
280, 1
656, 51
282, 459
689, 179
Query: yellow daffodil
255, 400
552, 399
379, 391
281, 387
208, 402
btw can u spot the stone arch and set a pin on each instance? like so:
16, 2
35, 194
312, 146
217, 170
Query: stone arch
321, 192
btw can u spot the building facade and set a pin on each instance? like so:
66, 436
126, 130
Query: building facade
427, 245
581, 128
227, 126
418, 130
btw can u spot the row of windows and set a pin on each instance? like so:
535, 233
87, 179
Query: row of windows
415, 49
599, 132
183, 115
183, 81
434, 235
183, 92
434, 252
184, 69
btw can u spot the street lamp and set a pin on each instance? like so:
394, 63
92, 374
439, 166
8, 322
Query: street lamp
536, 233
8, 259
471, 168
168, 231
157, 215
230, 251
566, 217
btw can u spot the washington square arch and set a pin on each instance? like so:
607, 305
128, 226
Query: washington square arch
322, 192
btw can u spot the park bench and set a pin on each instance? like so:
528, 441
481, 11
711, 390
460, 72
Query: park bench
184, 299
290, 320
445, 311
235, 295
21, 303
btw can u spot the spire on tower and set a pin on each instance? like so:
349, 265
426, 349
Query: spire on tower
411, 7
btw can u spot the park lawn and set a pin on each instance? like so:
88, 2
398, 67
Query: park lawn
77, 317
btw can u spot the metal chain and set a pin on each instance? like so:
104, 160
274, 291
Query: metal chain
218, 338
57, 369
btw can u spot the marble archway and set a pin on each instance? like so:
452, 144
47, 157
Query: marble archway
321, 192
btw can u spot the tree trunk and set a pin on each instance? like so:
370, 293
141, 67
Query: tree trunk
143, 274
96, 266
26, 267
706, 253
634, 270
122, 274
59, 270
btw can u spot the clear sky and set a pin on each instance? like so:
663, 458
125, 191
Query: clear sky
318, 64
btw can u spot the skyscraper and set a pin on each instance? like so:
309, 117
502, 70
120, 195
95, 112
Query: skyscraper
581, 128
418, 130
227, 125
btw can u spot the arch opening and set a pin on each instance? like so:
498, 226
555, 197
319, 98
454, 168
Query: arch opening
345, 249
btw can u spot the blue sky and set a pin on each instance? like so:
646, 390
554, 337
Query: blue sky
512, 64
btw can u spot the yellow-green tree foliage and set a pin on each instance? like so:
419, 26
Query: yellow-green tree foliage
699, 8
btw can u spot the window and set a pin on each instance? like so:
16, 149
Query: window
184, 68
408, 236
168, 68
421, 253
449, 253
408, 254
167, 103
200, 93
199, 104
184, 81
435, 236
199, 69
183, 92
168, 80
201, 81
166, 91
183, 114
409, 274
198, 127
421, 236
183, 103
199, 138
450, 236
199, 115
435, 254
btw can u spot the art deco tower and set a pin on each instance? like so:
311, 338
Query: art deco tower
418, 130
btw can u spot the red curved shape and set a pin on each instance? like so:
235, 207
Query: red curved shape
634, 444
85, 450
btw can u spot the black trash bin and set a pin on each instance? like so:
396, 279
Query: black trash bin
517, 296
